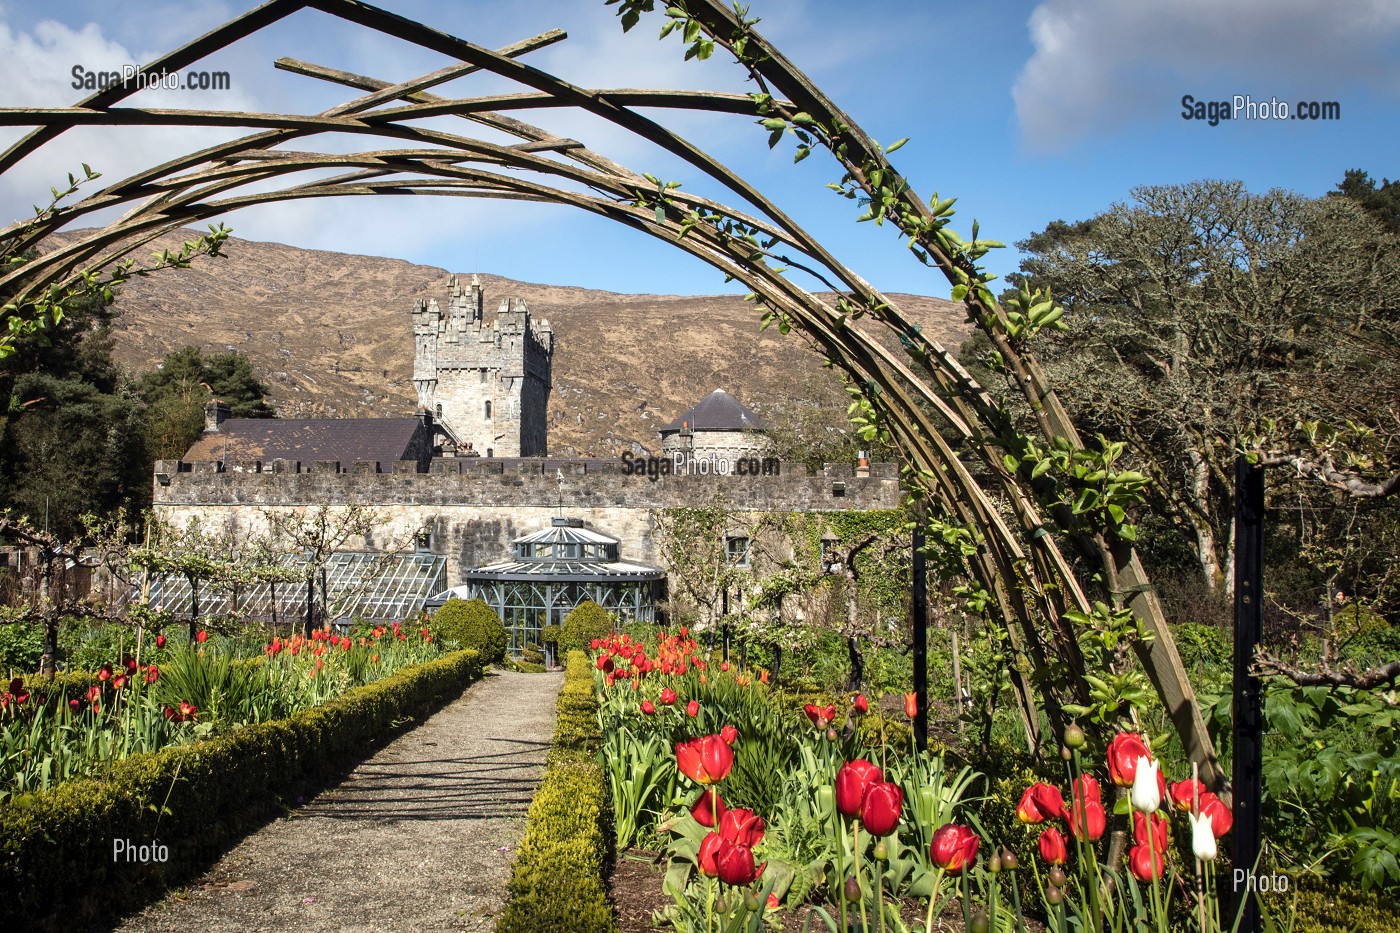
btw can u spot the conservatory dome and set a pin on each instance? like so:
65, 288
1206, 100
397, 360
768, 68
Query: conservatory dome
555, 569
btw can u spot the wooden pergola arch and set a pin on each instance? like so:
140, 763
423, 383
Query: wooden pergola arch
953, 435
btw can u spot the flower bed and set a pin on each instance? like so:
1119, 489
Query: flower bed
556, 883
56, 847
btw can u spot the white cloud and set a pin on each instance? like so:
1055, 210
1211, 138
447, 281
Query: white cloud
1099, 64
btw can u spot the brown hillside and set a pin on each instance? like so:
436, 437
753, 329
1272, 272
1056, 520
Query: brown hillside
329, 332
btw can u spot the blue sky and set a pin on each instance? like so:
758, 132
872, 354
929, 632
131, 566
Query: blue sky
1027, 112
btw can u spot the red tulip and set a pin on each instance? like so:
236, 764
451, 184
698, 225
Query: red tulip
17, 685
668, 696
820, 715
692, 709
708, 859
1186, 793
736, 865
74, 704
705, 760
741, 827
104, 672
160, 641
130, 664
1123, 753
94, 693
1086, 789
188, 709
1221, 819
879, 811
1146, 864
1095, 821
119, 682
724, 666
911, 705
648, 707
203, 636
851, 783
729, 734
704, 807
1052, 846
862, 705
954, 847
1160, 832
1039, 803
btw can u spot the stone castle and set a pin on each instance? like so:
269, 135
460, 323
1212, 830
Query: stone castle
487, 384
470, 475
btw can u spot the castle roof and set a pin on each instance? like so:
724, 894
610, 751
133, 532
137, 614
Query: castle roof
345, 439
718, 411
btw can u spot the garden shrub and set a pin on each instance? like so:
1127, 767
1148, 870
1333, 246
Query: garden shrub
1337, 909
471, 624
556, 883
56, 863
21, 648
587, 622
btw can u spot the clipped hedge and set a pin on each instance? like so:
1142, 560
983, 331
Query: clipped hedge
556, 884
585, 622
472, 624
56, 847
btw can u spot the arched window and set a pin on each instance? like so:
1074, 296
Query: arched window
488, 411
437, 413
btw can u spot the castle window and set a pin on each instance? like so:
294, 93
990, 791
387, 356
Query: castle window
483, 375
488, 411
437, 412
737, 549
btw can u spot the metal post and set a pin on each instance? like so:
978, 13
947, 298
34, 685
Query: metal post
920, 612
1248, 764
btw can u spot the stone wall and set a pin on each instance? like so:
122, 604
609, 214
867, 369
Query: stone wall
475, 507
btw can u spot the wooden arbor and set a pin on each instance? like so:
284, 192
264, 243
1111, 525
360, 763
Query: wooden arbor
1027, 517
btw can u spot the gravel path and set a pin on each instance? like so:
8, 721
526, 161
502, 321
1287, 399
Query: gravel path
418, 838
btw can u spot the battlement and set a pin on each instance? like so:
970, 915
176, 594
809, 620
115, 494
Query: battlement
487, 382
762, 485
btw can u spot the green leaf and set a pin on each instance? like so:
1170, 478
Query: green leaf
895, 145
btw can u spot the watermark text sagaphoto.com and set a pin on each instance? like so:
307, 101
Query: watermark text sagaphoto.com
1244, 107
85, 79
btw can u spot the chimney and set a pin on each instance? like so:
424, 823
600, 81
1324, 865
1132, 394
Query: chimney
215, 414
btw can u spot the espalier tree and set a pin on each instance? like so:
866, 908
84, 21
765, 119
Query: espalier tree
1036, 525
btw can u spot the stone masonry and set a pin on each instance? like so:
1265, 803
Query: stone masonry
475, 507
486, 383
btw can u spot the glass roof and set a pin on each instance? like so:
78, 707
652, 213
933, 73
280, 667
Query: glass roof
374, 587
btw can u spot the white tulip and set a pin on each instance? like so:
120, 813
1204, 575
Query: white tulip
1202, 837
1147, 796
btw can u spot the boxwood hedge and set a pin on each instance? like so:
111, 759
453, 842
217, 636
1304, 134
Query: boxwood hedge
56, 847
557, 883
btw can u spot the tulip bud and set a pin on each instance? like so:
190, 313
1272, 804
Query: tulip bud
1009, 860
1074, 736
979, 923
994, 863
1058, 877
882, 851
830, 734
1054, 895
721, 904
852, 889
750, 900
1065, 753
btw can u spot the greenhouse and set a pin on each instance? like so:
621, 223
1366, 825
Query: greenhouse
551, 572
372, 587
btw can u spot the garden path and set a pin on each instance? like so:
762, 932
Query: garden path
419, 838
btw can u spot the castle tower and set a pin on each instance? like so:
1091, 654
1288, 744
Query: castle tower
487, 384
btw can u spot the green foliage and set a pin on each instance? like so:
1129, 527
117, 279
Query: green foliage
586, 622
1334, 909
21, 647
556, 884
472, 624
176, 391
1380, 201
56, 862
